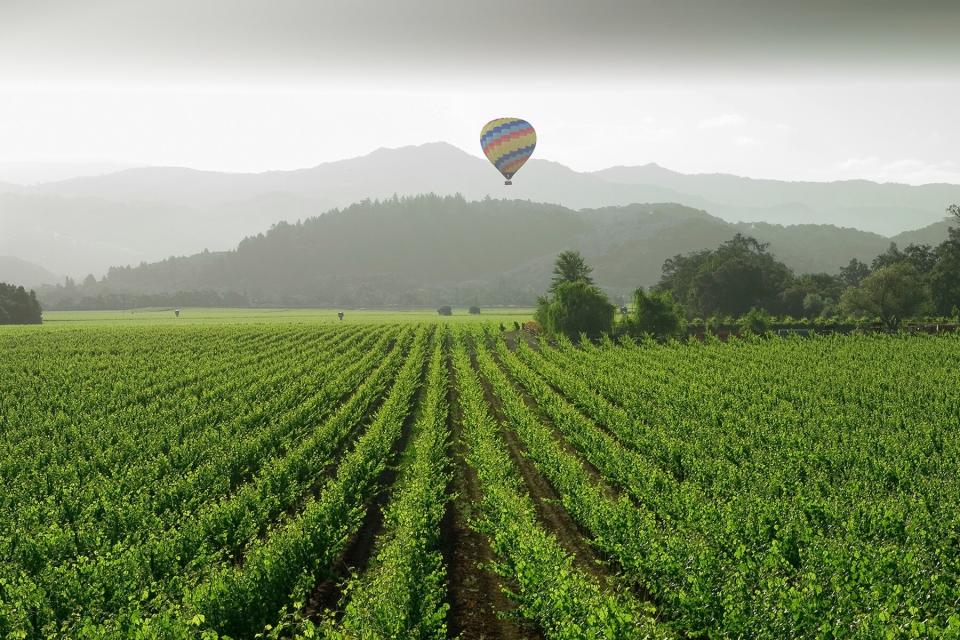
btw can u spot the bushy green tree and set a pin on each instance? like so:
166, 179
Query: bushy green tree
730, 280
574, 308
655, 313
891, 293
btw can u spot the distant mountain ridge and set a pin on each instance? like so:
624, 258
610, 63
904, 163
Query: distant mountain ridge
19, 272
431, 249
88, 224
885, 208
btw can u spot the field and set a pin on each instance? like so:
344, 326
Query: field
283, 316
297, 476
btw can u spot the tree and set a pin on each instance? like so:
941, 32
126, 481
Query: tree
854, 273
575, 308
923, 257
570, 267
475, 310
888, 258
890, 293
445, 310
655, 313
730, 280
813, 305
944, 276
19, 306
821, 289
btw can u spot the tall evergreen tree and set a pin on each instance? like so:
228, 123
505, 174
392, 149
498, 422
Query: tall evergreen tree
570, 267
18, 306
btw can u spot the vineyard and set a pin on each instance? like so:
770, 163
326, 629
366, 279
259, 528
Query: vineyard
429, 480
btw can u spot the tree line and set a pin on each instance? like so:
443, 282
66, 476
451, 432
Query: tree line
741, 282
18, 306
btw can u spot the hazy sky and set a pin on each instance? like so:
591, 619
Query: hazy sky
805, 89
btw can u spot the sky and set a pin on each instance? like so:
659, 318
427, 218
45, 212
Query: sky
811, 90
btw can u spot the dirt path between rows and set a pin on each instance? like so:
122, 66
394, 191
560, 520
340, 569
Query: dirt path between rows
360, 547
547, 501
474, 591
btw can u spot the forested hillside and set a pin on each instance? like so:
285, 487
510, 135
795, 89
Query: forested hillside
431, 250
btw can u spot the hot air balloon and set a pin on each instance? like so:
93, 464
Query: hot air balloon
508, 143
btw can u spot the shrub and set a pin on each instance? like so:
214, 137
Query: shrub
445, 311
475, 311
655, 313
755, 322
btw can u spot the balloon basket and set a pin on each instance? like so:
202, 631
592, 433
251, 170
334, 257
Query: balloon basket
508, 182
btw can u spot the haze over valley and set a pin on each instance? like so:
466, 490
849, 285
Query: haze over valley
88, 224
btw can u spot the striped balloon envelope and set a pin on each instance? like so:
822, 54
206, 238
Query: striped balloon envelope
508, 143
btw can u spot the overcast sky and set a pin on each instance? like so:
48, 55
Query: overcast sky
805, 89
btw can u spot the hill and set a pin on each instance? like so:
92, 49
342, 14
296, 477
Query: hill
429, 250
932, 234
77, 235
86, 224
13, 270
32, 173
887, 208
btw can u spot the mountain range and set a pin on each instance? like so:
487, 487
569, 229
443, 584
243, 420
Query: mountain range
88, 224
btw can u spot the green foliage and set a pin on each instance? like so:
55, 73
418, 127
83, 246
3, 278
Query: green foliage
756, 322
811, 294
655, 313
565, 602
891, 293
576, 308
403, 594
730, 280
944, 276
183, 482
18, 306
474, 310
570, 267
854, 272
814, 305
445, 310
738, 526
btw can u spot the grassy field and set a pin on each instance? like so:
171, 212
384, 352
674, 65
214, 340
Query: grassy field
231, 474
235, 316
